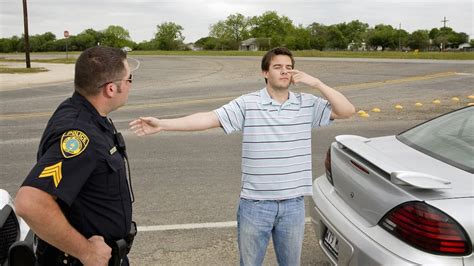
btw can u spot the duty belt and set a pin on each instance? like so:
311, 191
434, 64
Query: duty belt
49, 255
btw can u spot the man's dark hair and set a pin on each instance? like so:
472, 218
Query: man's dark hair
96, 66
267, 58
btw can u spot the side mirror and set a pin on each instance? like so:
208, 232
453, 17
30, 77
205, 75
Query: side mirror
21, 253
9, 231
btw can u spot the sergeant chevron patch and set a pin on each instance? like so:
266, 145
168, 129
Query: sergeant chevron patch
73, 142
54, 171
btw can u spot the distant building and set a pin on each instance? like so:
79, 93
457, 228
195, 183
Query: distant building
357, 46
193, 47
255, 44
249, 45
465, 47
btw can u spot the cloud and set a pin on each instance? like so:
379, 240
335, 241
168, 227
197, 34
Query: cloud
140, 17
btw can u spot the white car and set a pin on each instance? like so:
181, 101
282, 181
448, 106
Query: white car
400, 200
16, 238
126, 49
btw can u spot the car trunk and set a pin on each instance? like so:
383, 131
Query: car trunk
364, 174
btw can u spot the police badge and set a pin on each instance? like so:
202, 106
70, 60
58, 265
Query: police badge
73, 143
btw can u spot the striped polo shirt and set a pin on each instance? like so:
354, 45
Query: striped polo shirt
276, 144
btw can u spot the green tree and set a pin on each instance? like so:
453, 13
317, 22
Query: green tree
419, 39
318, 36
458, 38
354, 32
436, 38
446, 37
9, 45
38, 41
116, 36
169, 36
207, 43
148, 45
271, 25
84, 41
299, 39
383, 35
434, 32
231, 31
88, 38
403, 38
218, 32
335, 38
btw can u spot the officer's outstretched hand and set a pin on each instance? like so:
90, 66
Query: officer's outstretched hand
99, 252
145, 126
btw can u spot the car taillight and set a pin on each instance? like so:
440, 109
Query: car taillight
427, 228
327, 165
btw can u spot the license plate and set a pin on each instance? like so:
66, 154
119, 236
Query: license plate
331, 242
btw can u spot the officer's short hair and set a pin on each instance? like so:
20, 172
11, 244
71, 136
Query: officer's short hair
267, 58
96, 66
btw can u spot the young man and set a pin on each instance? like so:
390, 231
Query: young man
76, 198
276, 153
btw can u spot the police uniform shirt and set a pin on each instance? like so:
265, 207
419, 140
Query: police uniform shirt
79, 164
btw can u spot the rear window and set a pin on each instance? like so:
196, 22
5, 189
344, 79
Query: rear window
449, 138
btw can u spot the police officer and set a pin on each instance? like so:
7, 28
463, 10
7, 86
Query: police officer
77, 198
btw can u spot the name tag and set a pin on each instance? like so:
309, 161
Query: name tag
113, 150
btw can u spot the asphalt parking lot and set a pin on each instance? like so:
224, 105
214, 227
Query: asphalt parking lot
187, 184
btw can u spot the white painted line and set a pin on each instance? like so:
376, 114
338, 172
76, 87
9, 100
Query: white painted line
138, 63
464, 74
186, 226
170, 227
20, 141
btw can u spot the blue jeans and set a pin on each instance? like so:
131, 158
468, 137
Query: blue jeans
257, 220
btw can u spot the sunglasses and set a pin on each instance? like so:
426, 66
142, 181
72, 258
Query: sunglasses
130, 79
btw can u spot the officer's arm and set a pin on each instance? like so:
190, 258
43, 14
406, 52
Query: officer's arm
42, 213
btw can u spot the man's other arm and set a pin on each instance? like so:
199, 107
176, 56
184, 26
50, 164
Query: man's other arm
341, 107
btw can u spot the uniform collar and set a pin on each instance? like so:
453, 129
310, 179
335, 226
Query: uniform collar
77, 97
265, 98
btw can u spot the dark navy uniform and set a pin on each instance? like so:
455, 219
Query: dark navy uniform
79, 162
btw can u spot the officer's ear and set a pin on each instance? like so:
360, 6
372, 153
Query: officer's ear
110, 89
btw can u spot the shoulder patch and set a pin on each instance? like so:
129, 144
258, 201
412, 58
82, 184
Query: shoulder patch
53, 171
73, 143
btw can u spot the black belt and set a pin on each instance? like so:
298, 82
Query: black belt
122, 247
49, 255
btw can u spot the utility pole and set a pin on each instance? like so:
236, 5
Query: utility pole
444, 27
444, 22
27, 39
399, 41
66, 35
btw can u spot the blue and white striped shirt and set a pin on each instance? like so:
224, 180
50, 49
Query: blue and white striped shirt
276, 145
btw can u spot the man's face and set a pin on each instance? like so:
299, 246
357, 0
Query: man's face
124, 86
278, 77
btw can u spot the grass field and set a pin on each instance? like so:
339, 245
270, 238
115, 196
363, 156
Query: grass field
70, 60
16, 70
304, 53
316, 53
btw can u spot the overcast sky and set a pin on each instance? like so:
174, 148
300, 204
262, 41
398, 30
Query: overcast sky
140, 17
